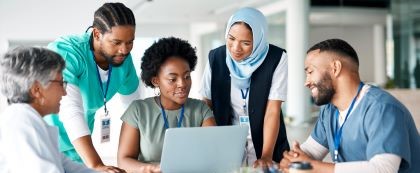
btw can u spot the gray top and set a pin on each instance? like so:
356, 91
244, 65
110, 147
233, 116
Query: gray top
146, 116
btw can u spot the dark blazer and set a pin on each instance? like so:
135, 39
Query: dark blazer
258, 97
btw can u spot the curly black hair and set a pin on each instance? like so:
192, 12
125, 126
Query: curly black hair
160, 51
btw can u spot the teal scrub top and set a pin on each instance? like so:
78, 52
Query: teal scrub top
81, 71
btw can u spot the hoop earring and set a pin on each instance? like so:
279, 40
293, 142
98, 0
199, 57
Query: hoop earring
156, 91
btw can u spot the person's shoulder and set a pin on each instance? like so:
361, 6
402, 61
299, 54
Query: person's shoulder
18, 115
193, 101
15, 110
325, 110
73, 38
7, 115
222, 47
217, 56
148, 100
218, 51
140, 108
196, 107
273, 47
70, 42
143, 102
380, 97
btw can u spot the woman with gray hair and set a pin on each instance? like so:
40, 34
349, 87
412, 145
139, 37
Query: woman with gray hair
31, 80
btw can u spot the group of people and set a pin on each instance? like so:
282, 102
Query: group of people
364, 128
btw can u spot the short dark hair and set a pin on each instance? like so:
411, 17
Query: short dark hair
160, 51
338, 46
113, 14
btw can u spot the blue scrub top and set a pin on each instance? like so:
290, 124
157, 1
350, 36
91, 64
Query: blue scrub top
379, 124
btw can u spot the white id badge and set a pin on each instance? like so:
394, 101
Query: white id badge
105, 127
244, 120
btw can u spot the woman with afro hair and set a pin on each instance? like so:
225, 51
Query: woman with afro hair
166, 66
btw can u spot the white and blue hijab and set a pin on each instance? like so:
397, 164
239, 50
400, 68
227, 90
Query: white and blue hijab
241, 71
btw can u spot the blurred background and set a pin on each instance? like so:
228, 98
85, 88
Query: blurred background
385, 34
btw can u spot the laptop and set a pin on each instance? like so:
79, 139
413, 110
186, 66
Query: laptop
217, 149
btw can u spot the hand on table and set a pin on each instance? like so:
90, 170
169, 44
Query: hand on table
263, 162
151, 168
109, 169
294, 155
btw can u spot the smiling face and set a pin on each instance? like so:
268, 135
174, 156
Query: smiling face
54, 92
239, 41
48, 97
318, 78
115, 44
174, 82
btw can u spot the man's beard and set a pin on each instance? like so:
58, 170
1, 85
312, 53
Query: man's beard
110, 59
325, 90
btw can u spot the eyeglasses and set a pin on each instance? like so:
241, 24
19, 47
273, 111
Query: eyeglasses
61, 82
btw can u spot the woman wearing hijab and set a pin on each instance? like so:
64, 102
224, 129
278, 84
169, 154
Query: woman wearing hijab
245, 83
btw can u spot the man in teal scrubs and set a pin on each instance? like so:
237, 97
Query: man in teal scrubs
98, 65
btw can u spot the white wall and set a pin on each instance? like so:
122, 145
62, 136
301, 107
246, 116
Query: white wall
360, 37
162, 30
42, 21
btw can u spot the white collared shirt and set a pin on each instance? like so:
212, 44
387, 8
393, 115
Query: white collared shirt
28, 144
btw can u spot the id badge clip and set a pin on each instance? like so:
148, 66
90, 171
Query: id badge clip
244, 121
105, 127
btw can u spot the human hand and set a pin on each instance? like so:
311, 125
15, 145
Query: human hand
298, 154
263, 162
284, 163
151, 168
294, 155
109, 169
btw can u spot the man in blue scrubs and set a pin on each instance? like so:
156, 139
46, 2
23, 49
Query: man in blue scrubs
361, 126
98, 65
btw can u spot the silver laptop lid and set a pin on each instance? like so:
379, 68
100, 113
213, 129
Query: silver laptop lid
216, 149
